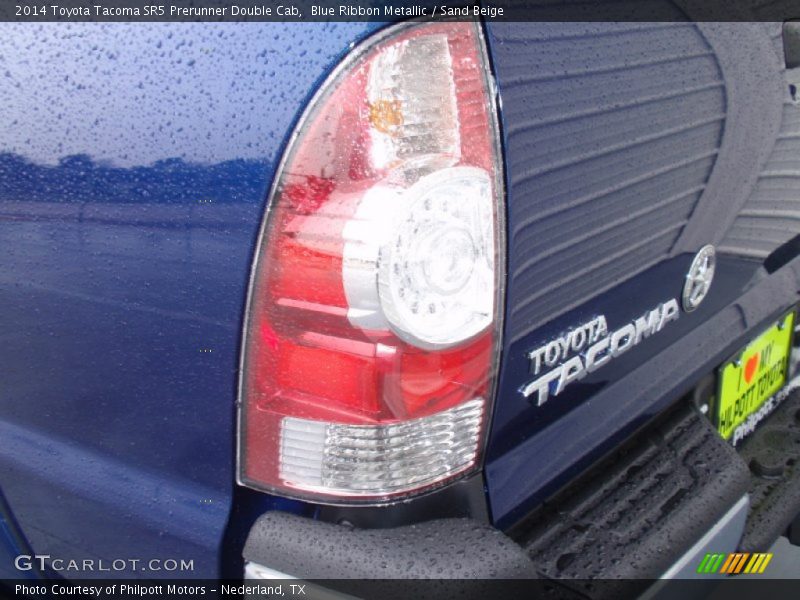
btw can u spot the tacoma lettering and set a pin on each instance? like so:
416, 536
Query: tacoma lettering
564, 356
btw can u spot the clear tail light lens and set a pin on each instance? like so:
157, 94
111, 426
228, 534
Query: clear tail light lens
372, 332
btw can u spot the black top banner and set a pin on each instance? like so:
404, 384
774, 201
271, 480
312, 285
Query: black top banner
397, 10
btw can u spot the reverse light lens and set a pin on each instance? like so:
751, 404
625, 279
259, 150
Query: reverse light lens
372, 327
355, 459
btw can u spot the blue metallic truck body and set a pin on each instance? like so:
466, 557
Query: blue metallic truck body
133, 183
135, 163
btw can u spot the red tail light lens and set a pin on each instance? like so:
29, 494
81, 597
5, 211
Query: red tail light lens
373, 316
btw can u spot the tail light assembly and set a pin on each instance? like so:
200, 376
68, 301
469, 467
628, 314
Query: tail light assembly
371, 340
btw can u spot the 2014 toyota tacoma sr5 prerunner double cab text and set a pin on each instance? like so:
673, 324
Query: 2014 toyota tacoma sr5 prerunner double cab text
434, 299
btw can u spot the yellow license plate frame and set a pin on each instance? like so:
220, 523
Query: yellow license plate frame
754, 375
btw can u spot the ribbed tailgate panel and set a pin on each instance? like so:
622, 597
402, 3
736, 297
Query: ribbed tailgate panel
771, 216
611, 133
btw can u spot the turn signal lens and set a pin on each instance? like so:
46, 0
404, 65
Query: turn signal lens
372, 332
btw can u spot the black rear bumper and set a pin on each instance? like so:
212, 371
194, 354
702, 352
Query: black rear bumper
773, 457
634, 515
609, 534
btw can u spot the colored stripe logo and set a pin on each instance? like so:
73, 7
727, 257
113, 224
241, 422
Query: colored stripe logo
735, 563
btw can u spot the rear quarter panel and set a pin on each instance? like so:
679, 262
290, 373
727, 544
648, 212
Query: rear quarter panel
134, 166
